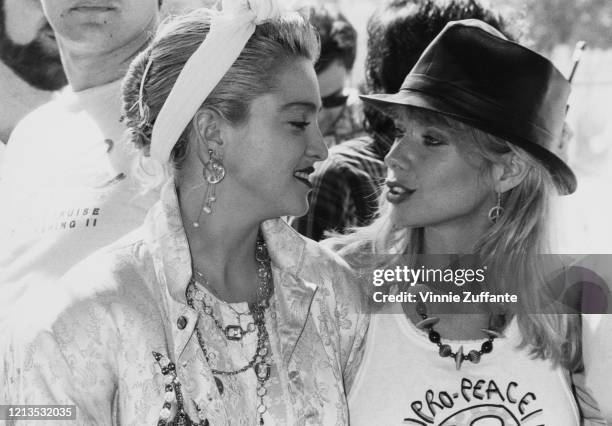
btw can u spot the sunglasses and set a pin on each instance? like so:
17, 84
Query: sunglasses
334, 100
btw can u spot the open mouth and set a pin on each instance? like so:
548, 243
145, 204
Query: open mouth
398, 193
302, 175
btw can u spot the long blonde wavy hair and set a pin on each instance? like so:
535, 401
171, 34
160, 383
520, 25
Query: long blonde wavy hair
510, 246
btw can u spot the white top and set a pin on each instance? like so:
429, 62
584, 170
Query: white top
229, 355
65, 187
17, 99
403, 381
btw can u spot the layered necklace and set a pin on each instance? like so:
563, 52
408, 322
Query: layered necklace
262, 358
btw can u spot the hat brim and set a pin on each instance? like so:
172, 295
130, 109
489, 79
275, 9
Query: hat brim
563, 177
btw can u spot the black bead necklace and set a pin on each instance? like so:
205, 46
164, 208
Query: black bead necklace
173, 393
427, 323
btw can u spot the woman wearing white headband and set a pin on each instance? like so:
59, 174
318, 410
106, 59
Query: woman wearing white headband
215, 312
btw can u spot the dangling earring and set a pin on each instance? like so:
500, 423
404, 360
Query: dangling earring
497, 211
214, 172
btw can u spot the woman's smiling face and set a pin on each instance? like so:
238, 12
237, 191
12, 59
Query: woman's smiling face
433, 180
269, 158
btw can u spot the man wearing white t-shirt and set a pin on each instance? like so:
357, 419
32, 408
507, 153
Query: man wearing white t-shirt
30, 66
66, 185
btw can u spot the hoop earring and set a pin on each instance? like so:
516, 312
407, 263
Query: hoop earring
497, 211
213, 173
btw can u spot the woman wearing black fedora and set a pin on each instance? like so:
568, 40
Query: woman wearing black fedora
470, 172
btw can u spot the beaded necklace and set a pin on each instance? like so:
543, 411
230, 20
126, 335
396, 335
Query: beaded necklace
172, 394
260, 362
445, 350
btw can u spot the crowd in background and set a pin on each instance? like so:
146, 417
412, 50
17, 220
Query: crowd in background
30, 72
80, 135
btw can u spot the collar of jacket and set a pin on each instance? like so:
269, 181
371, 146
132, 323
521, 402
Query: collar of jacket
172, 261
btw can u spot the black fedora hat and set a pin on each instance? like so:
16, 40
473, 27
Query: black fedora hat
473, 74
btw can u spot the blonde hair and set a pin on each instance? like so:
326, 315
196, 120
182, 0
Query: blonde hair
153, 72
510, 246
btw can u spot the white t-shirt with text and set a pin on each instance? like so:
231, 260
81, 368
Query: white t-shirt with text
403, 381
66, 187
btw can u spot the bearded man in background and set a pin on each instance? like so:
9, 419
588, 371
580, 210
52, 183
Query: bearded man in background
30, 66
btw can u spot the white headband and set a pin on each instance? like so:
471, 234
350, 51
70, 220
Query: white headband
230, 30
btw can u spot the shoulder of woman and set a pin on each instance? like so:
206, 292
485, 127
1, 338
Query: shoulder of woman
319, 256
332, 273
354, 252
88, 295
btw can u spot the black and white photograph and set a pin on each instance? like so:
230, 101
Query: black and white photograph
306, 212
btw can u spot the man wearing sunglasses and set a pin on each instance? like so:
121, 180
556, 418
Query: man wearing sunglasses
341, 117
